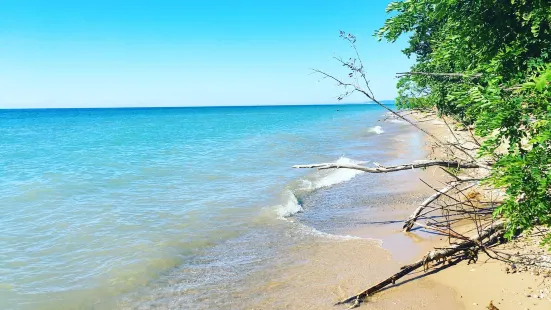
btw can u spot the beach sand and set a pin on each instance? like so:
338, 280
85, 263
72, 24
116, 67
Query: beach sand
476, 285
324, 272
332, 269
328, 270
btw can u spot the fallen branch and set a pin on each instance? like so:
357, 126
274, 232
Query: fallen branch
442, 231
435, 255
383, 169
415, 215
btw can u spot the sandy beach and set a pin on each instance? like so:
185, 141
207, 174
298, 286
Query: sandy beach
341, 232
331, 270
324, 272
275, 155
476, 285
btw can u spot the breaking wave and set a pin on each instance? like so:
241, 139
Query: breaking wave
377, 129
322, 179
289, 206
396, 121
314, 232
391, 118
328, 178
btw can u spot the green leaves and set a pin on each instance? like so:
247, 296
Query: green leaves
509, 43
541, 81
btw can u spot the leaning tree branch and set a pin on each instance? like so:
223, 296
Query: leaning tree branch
436, 74
434, 255
415, 215
357, 81
369, 94
383, 169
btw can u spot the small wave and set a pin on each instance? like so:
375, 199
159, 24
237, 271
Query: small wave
314, 232
396, 121
391, 118
377, 129
331, 177
290, 205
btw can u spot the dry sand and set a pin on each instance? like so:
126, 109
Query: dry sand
476, 285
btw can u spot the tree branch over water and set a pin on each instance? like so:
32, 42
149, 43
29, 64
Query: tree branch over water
383, 169
452, 201
452, 75
357, 73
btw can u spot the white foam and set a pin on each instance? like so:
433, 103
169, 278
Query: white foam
377, 129
328, 178
314, 232
396, 121
290, 205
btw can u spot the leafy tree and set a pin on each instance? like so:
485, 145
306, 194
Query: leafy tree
487, 63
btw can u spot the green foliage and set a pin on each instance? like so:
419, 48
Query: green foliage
503, 50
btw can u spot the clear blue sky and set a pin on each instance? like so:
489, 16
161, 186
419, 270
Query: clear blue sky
177, 53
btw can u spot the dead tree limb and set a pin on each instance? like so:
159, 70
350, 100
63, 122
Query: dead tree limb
434, 255
436, 74
413, 217
369, 94
440, 230
383, 169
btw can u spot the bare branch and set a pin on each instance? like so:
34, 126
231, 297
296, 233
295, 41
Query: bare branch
453, 75
435, 255
369, 93
383, 169
415, 215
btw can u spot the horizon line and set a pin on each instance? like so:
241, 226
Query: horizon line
205, 106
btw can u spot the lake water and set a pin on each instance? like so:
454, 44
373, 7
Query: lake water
130, 208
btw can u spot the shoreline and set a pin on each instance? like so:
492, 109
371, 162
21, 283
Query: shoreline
488, 280
329, 271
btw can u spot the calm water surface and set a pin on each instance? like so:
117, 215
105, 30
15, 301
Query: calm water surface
100, 206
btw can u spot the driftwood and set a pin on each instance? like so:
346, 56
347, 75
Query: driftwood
443, 231
463, 158
477, 241
383, 169
417, 164
413, 217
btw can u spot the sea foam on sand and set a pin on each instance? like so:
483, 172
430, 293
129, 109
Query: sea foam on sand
376, 129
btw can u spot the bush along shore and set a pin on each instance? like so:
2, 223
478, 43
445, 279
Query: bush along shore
484, 68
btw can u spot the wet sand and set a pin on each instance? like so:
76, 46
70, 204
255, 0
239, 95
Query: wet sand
327, 271
318, 274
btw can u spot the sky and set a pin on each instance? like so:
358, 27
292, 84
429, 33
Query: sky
187, 53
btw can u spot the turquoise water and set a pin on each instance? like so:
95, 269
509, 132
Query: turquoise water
99, 205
